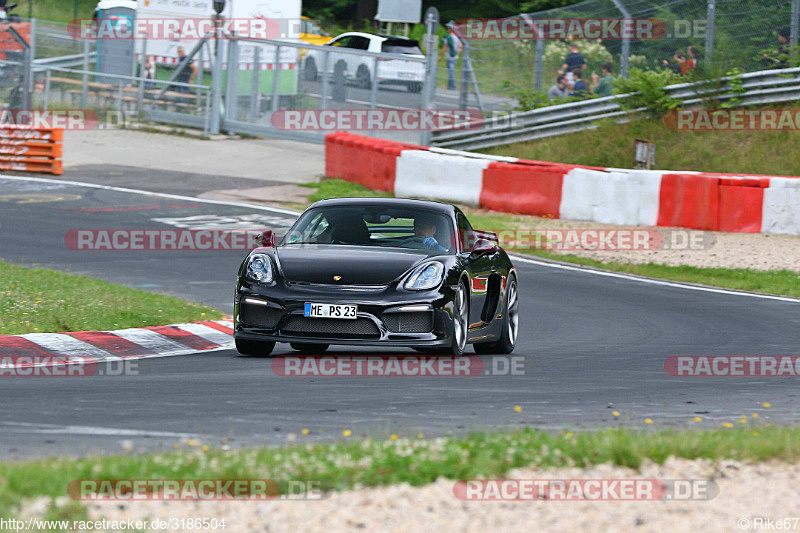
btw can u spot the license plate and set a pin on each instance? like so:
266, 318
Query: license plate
313, 310
406, 75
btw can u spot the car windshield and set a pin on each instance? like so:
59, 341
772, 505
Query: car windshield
398, 227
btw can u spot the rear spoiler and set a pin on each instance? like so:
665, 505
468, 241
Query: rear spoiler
488, 235
470, 237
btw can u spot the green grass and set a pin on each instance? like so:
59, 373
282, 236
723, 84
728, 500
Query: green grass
783, 282
336, 188
39, 300
417, 461
611, 145
55, 10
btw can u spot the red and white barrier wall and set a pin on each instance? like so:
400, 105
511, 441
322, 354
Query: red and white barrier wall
721, 202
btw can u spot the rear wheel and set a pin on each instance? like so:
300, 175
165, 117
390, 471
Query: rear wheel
308, 347
508, 338
254, 348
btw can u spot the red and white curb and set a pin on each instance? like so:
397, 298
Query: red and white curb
54, 349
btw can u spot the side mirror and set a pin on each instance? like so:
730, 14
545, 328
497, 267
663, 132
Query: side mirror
484, 245
266, 239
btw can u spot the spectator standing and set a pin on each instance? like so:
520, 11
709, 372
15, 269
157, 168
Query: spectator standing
687, 65
694, 56
603, 86
560, 89
670, 64
579, 88
572, 62
187, 73
779, 58
451, 48
148, 72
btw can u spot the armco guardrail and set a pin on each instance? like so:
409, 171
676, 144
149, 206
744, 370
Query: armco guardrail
31, 149
705, 201
757, 88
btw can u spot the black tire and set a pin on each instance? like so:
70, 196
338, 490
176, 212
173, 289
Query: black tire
308, 347
254, 348
508, 338
415, 87
310, 70
363, 79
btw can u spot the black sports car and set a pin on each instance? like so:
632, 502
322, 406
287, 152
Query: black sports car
378, 272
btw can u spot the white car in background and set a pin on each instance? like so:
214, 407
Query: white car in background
360, 69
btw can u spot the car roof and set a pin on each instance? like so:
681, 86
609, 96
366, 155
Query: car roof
360, 34
387, 202
380, 36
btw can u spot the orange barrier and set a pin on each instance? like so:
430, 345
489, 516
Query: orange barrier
31, 149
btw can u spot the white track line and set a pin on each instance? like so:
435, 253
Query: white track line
159, 194
654, 281
53, 429
516, 257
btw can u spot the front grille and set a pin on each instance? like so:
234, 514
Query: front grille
259, 315
421, 322
360, 328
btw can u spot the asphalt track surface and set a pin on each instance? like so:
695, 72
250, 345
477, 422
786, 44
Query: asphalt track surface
590, 344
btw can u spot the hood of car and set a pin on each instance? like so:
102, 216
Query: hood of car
346, 265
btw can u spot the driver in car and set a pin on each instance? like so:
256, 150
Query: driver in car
424, 229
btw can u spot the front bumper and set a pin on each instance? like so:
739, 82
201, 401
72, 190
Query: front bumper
387, 316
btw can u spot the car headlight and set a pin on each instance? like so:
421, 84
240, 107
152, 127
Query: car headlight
426, 276
259, 268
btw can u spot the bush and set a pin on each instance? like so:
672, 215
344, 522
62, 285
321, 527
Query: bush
647, 90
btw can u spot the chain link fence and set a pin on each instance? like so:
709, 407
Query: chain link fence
748, 35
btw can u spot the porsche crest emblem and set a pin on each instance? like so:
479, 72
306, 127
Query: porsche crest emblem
337, 278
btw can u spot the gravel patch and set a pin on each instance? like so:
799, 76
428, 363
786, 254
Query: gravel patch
748, 491
757, 251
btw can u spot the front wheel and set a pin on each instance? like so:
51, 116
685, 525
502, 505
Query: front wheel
254, 348
460, 321
508, 338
